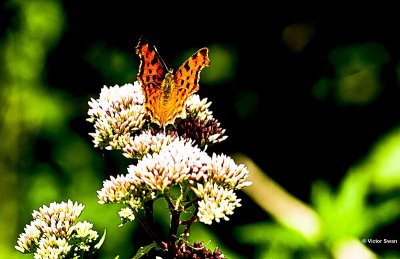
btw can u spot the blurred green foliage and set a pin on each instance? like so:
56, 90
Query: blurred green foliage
246, 103
224, 64
103, 57
24, 106
365, 201
357, 74
42, 160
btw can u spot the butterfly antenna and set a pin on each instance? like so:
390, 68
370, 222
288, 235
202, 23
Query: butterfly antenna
162, 60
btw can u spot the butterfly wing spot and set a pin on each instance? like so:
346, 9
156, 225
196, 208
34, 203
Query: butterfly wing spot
186, 66
182, 93
154, 61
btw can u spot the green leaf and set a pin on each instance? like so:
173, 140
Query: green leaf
344, 212
100, 243
144, 250
322, 197
384, 213
263, 233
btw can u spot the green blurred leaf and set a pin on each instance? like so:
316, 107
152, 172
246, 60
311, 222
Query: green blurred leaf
343, 214
383, 162
144, 250
322, 197
264, 233
385, 213
101, 241
322, 88
272, 240
357, 74
349, 212
246, 103
114, 65
354, 58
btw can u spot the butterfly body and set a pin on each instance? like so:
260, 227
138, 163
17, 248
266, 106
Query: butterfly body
166, 91
168, 86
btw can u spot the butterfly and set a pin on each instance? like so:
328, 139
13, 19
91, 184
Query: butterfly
166, 91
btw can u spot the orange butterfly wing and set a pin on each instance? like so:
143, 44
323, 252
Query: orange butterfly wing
187, 77
180, 86
151, 75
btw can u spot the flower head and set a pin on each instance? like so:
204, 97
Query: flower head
175, 163
216, 202
116, 115
55, 232
226, 172
147, 143
199, 124
178, 162
52, 247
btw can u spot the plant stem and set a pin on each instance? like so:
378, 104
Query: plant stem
191, 203
149, 213
175, 214
188, 224
150, 230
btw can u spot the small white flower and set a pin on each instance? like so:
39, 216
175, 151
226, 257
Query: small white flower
217, 202
52, 247
145, 143
227, 173
126, 214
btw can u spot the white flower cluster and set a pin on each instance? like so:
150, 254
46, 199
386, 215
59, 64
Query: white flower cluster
55, 233
117, 114
213, 179
217, 202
